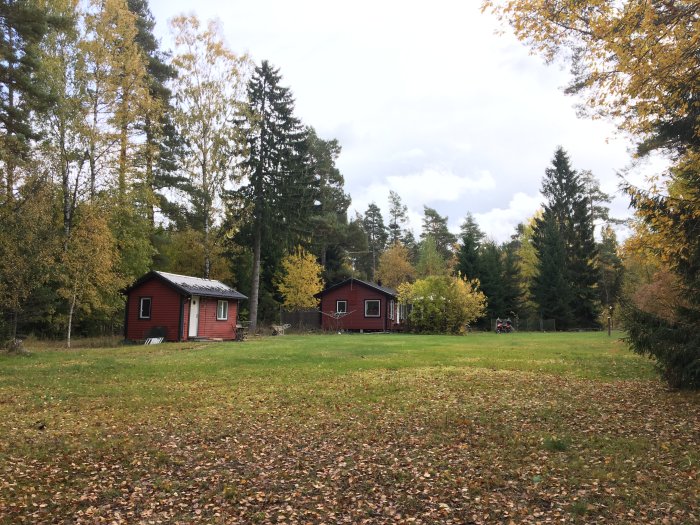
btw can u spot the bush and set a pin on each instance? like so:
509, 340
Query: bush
441, 304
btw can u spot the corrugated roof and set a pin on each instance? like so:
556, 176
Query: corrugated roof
198, 286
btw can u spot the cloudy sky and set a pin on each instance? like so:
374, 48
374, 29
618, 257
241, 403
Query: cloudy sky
426, 100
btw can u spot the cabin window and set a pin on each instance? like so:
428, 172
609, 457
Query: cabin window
145, 308
222, 311
373, 308
391, 310
341, 307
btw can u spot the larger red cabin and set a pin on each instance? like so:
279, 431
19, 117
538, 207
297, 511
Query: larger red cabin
360, 306
179, 308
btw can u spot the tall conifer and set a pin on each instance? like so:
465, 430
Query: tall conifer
565, 287
282, 187
22, 27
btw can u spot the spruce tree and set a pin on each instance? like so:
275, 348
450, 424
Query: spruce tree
329, 220
490, 271
510, 279
563, 236
551, 288
470, 242
162, 143
282, 187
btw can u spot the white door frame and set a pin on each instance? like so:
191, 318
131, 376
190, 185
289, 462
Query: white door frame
193, 325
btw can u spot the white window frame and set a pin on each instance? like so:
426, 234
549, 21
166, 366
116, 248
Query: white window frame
142, 301
337, 306
379, 308
391, 309
222, 313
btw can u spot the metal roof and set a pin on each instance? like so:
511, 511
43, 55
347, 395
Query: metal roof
197, 286
194, 285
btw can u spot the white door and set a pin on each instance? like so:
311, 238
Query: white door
194, 316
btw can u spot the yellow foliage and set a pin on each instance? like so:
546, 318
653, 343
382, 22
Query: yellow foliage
632, 58
395, 267
301, 280
442, 304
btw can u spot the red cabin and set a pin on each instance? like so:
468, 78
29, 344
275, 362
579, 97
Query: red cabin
360, 306
178, 308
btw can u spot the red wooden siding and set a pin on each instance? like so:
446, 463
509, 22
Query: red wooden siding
209, 326
356, 294
165, 311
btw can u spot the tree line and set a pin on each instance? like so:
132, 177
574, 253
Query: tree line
117, 157
551, 268
637, 64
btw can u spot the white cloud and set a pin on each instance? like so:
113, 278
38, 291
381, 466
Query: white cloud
431, 187
434, 185
499, 224
427, 101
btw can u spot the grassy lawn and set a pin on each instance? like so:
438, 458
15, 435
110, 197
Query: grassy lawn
518, 428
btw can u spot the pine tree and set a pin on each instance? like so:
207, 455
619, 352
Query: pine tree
435, 226
23, 25
398, 217
162, 144
377, 235
282, 187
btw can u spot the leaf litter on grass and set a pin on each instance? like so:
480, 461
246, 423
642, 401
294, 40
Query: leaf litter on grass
427, 445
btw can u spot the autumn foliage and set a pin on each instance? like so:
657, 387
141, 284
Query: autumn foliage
442, 304
637, 63
300, 280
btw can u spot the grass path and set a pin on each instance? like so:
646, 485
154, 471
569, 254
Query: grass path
521, 428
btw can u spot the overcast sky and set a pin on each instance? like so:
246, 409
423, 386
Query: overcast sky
426, 99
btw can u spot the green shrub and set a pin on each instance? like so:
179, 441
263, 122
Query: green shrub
442, 304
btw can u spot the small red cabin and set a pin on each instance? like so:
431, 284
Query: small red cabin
178, 308
359, 305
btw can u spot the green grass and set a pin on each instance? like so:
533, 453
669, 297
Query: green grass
385, 428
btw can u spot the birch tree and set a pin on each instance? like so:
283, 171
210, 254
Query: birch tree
88, 274
208, 93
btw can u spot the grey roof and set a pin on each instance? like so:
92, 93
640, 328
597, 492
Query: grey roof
197, 286
374, 286
194, 285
